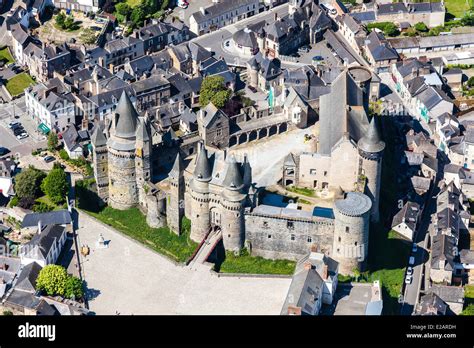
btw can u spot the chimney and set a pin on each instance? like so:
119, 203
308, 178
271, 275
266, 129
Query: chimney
202, 10
275, 17
307, 265
314, 248
225, 154
39, 226
325, 272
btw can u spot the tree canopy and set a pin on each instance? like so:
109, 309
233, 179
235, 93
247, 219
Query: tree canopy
52, 279
27, 183
391, 30
420, 26
55, 185
52, 141
214, 90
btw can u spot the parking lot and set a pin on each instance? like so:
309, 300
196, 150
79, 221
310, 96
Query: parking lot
15, 111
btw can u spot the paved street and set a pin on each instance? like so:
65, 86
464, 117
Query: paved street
16, 111
131, 279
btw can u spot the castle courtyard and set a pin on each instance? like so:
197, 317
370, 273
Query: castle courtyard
128, 278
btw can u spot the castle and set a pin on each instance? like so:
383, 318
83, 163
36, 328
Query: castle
214, 189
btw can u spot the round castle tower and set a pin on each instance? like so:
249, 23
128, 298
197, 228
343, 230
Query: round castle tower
175, 201
351, 231
232, 207
121, 148
371, 150
200, 196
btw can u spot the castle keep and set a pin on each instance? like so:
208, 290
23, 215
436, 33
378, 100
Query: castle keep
214, 188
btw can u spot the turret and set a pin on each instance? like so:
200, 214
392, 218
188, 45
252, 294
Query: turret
232, 207
100, 162
175, 201
121, 145
200, 196
142, 159
371, 150
351, 232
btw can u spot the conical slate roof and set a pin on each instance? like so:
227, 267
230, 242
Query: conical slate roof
371, 141
233, 179
126, 124
142, 131
176, 171
202, 171
98, 137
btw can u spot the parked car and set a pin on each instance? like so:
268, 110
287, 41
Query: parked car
304, 49
253, 89
22, 136
410, 271
48, 159
411, 261
16, 126
408, 279
3, 151
19, 131
13, 123
414, 248
318, 58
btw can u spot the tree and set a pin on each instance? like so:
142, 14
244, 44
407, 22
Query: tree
469, 310
60, 19
470, 82
27, 183
213, 90
52, 141
391, 30
74, 288
63, 155
123, 9
52, 279
69, 23
420, 26
55, 185
138, 15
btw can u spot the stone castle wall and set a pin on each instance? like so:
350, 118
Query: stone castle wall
123, 191
279, 238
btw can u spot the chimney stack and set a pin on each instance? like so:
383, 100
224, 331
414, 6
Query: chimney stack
39, 226
307, 265
325, 272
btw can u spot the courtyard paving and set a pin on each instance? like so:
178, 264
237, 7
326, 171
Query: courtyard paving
127, 278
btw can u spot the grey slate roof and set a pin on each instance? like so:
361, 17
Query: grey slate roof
98, 137
126, 124
220, 8
305, 288
27, 278
364, 17
449, 294
408, 214
233, 179
202, 170
58, 217
432, 304
379, 47
354, 204
40, 245
371, 141
443, 250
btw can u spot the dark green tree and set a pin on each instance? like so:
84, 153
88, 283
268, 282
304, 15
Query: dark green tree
420, 26
74, 288
53, 141
391, 30
123, 9
27, 183
470, 82
214, 90
55, 185
60, 19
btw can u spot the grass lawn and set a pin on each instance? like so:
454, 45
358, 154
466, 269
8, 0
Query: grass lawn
45, 199
132, 223
301, 190
17, 84
254, 265
6, 56
458, 7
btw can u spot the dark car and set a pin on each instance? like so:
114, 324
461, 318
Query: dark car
3, 151
253, 89
18, 131
318, 58
16, 126
48, 159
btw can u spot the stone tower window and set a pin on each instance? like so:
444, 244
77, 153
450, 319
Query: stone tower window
292, 237
339, 239
347, 229
290, 225
310, 239
355, 243
269, 236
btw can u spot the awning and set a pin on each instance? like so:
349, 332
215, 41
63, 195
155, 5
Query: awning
44, 128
